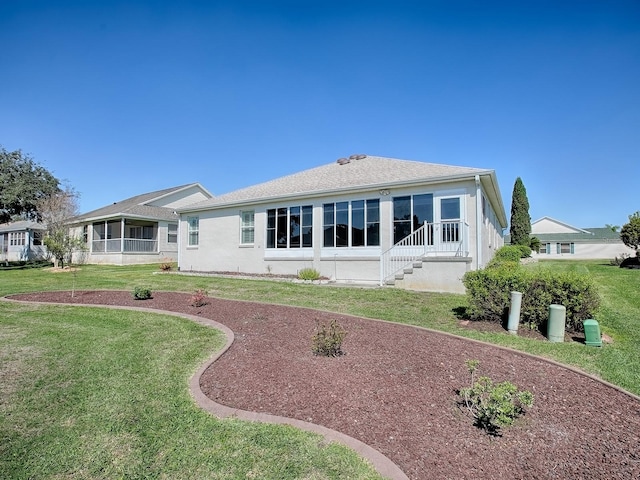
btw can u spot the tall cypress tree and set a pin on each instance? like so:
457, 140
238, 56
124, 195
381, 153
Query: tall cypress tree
520, 219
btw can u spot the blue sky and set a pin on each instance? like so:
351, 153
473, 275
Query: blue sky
121, 98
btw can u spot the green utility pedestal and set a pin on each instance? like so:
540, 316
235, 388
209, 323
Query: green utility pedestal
592, 335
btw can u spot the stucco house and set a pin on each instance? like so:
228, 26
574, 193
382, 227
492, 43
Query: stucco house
22, 241
561, 240
140, 229
362, 219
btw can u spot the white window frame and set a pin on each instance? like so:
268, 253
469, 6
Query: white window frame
247, 227
193, 231
172, 233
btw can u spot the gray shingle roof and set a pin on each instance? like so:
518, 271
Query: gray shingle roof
592, 235
20, 225
135, 206
367, 172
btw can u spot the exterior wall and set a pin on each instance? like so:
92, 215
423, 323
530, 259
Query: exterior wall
588, 251
181, 199
219, 248
16, 253
437, 274
492, 237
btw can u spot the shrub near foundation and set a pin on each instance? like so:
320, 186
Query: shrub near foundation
488, 293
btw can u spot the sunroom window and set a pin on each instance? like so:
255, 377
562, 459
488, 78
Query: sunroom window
290, 227
355, 224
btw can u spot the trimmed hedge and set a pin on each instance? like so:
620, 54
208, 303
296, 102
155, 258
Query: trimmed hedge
488, 293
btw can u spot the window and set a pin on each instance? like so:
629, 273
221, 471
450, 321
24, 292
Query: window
544, 248
16, 238
565, 248
172, 233
247, 227
37, 238
85, 233
193, 231
289, 227
410, 213
450, 216
355, 224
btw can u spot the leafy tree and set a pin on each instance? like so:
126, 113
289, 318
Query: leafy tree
23, 183
613, 228
520, 220
630, 233
55, 212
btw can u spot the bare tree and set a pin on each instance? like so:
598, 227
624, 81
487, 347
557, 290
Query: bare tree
56, 210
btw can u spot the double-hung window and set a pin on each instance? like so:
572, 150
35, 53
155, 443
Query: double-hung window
352, 224
290, 227
564, 247
172, 233
16, 238
193, 231
247, 227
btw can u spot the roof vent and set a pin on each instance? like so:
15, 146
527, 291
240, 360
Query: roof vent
357, 156
343, 161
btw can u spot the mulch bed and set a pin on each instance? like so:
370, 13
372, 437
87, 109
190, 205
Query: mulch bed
395, 390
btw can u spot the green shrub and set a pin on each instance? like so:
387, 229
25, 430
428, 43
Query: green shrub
141, 293
488, 294
508, 253
525, 251
308, 274
327, 339
493, 405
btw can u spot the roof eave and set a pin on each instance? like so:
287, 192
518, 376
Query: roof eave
325, 193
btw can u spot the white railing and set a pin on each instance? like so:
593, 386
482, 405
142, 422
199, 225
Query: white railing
127, 245
443, 238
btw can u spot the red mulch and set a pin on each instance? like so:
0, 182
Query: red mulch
395, 389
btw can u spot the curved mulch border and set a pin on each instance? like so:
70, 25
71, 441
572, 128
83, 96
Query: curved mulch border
395, 391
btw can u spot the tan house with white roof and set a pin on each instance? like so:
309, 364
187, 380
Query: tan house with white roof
362, 219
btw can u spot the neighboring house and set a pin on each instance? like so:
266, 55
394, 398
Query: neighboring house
362, 219
141, 229
561, 240
22, 241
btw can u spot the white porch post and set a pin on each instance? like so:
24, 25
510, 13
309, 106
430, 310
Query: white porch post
122, 235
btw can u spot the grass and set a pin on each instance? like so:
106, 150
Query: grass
73, 404
91, 393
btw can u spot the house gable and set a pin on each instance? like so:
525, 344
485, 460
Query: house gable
548, 225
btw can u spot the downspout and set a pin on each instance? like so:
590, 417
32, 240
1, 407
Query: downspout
478, 223
179, 242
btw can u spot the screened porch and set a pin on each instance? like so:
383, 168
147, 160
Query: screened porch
124, 236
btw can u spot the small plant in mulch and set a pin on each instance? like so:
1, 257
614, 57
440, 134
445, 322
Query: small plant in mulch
199, 298
493, 405
141, 293
327, 339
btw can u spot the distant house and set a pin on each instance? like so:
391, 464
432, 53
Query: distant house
140, 229
22, 241
561, 240
362, 219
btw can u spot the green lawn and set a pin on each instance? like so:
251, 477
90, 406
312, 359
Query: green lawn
88, 393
